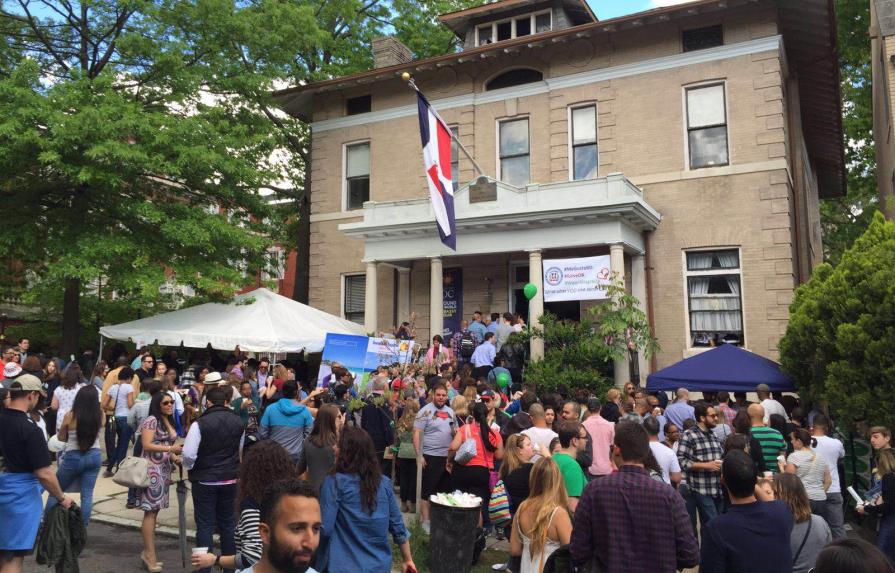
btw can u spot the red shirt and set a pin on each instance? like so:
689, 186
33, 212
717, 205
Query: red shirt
483, 457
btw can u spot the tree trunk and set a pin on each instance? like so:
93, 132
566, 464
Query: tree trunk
71, 318
301, 289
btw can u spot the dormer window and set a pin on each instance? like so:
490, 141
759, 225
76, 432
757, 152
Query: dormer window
517, 27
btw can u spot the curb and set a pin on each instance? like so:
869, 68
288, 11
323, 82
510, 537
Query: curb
135, 525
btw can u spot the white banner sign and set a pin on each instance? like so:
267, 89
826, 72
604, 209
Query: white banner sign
576, 279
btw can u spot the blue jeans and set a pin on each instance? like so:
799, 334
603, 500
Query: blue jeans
84, 466
215, 505
705, 506
123, 435
885, 539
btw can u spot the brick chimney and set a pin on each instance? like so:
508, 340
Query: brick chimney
389, 51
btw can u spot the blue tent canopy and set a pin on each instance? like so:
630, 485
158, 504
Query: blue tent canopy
726, 367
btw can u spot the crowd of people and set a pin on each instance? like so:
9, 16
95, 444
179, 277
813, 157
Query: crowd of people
293, 477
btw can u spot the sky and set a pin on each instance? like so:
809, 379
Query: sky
605, 9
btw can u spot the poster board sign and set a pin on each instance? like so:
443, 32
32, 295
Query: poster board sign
576, 279
361, 355
452, 301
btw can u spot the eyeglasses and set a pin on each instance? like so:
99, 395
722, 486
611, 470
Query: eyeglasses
149, 360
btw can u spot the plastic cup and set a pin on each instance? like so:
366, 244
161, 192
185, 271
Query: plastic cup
768, 475
200, 550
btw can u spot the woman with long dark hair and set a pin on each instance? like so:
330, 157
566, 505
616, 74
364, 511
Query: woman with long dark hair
79, 429
359, 511
265, 463
319, 451
52, 379
64, 396
473, 476
158, 436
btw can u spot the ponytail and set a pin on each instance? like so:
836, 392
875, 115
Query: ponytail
480, 415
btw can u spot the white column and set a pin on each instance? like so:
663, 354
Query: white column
638, 289
617, 265
371, 298
436, 298
403, 295
536, 304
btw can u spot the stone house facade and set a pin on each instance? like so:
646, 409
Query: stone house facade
690, 143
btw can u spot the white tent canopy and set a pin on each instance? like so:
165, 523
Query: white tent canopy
257, 321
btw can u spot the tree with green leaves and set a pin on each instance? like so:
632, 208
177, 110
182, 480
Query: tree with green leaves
845, 218
580, 354
838, 345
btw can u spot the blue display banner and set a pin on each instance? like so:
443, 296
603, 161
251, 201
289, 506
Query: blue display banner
452, 301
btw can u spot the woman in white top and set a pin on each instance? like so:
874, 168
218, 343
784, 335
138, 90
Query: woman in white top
64, 396
79, 429
811, 469
542, 523
119, 401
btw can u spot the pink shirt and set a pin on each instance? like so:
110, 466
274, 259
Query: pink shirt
728, 412
602, 432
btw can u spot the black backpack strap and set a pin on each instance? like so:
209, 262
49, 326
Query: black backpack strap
804, 539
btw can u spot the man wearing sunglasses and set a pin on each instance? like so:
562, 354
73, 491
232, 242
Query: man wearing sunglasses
699, 453
146, 367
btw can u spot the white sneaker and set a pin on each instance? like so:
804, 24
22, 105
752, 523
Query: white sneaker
425, 525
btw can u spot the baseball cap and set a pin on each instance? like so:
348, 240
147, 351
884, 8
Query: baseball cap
30, 383
487, 395
762, 388
11, 370
213, 378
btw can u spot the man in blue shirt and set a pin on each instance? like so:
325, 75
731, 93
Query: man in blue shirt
495, 322
477, 328
485, 353
681, 410
753, 535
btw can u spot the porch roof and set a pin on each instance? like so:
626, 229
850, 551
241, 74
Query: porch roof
604, 211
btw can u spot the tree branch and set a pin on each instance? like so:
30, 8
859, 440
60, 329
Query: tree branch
33, 24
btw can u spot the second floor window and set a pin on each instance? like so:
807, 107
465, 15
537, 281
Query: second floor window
714, 297
514, 152
707, 126
584, 142
357, 175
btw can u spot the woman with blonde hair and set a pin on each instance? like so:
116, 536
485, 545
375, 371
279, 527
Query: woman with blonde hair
460, 406
810, 533
542, 524
515, 471
885, 470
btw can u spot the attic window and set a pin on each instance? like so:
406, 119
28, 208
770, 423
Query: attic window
360, 104
702, 38
518, 27
516, 77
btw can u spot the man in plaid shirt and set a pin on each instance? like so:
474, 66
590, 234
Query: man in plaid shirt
624, 513
700, 452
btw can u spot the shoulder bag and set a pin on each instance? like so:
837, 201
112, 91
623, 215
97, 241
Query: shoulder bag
133, 472
804, 539
468, 448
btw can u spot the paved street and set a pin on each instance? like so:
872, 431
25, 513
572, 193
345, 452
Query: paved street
112, 549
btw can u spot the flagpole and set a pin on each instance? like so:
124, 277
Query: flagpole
409, 79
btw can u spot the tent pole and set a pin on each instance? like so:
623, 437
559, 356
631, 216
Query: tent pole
100, 355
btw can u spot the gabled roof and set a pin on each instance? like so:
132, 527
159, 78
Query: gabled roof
459, 20
808, 28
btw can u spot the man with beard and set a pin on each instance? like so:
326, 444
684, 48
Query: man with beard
699, 453
433, 431
290, 528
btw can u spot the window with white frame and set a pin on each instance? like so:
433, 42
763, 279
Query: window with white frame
583, 139
707, 126
353, 297
514, 153
714, 297
276, 268
357, 175
517, 27
455, 158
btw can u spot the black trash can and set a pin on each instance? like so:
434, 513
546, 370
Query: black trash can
452, 538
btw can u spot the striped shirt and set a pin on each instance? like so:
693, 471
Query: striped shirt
248, 539
772, 444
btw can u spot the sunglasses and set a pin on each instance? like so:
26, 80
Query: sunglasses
167, 403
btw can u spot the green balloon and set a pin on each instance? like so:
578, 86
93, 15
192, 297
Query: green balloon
530, 290
503, 380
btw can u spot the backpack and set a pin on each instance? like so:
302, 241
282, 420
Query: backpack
467, 344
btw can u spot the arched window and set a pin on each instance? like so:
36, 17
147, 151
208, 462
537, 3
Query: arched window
515, 77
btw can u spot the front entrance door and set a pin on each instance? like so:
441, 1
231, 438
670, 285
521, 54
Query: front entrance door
567, 310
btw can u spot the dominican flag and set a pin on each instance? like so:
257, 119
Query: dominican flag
436, 138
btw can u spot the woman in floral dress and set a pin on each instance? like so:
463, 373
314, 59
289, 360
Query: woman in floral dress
158, 435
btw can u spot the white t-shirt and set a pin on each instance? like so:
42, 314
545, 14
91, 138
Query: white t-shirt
831, 450
772, 406
542, 437
118, 394
66, 398
810, 467
667, 460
